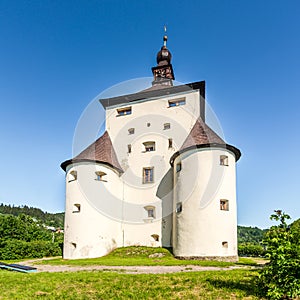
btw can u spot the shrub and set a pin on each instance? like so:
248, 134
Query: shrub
249, 249
280, 278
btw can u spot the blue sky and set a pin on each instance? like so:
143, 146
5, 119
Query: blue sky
56, 56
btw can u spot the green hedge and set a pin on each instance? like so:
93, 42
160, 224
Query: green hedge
247, 249
16, 249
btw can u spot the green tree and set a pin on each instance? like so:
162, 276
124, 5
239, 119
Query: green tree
280, 278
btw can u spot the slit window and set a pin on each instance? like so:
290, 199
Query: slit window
76, 208
101, 176
170, 143
148, 175
124, 111
178, 207
129, 148
177, 102
223, 160
224, 204
131, 131
72, 176
167, 126
178, 167
225, 244
149, 146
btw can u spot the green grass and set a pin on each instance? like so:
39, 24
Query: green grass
234, 284
135, 256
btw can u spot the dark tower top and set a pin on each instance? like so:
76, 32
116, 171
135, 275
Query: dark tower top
163, 73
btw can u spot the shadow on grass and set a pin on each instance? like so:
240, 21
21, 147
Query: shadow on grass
248, 285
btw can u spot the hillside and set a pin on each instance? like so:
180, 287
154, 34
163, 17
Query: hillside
56, 220
248, 234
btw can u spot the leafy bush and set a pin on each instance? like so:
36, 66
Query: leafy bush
249, 249
280, 278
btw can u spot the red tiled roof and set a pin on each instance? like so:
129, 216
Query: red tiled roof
101, 151
202, 136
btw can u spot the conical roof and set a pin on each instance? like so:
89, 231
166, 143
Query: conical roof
101, 151
202, 136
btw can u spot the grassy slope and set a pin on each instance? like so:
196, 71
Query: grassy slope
235, 284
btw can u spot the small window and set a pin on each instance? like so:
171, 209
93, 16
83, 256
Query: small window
149, 146
72, 176
74, 245
148, 175
124, 111
170, 143
178, 167
178, 207
177, 102
150, 211
76, 208
129, 148
131, 131
148, 124
167, 126
225, 244
224, 204
223, 160
101, 176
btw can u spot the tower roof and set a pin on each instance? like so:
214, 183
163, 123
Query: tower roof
101, 151
202, 136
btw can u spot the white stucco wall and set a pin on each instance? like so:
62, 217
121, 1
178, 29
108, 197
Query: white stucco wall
201, 228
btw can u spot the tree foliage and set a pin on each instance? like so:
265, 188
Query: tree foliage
280, 278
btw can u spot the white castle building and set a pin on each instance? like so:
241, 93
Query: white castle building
159, 176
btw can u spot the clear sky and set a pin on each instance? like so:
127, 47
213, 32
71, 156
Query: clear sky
56, 56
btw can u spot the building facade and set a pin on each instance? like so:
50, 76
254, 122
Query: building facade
159, 176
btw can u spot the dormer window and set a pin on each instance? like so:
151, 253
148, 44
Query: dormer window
124, 111
176, 102
72, 176
101, 176
149, 146
223, 160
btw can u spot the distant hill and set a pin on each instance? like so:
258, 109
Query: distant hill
56, 220
248, 234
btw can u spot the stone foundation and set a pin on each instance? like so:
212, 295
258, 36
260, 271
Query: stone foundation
234, 258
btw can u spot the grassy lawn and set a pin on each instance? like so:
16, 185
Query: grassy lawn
139, 256
234, 284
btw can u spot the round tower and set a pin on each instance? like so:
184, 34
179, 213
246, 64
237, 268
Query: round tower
205, 217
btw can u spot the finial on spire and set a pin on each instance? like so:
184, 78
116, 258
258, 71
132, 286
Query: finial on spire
165, 36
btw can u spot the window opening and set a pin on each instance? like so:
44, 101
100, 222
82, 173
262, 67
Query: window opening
155, 237
178, 167
178, 207
76, 208
72, 176
225, 244
124, 111
224, 204
148, 124
131, 131
149, 146
176, 102
148, 175
167, 126
170, 143
223, 160
100, 176
129, 148
150, 211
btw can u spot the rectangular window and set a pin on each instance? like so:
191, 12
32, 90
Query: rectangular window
223, 160
124, 111
150, 211
129, 148
148, 175
149, 146
178, 167
177, 102
224, 204
178, 207
167, 126
76, 208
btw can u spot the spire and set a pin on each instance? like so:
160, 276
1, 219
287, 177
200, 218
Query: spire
163, 73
